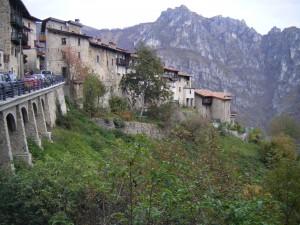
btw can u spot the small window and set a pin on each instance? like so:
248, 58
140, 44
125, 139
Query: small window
6, 58
28, 25
98, 59
78, 41
112, 62
61, 28
179, 89
12, 51
79, 55
63, 41
16, 52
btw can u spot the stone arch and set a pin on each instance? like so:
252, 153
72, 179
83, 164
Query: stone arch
11, 123
43, 104
24, 115
35, 109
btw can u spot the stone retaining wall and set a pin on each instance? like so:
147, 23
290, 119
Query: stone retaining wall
148, 129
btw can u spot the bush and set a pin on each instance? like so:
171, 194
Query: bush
194, 129
162, 113
118, 122
285, 124
118, 104
126, 115
255, 136
279, 148
93, 89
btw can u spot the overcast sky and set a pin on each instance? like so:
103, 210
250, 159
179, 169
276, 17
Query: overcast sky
262, 15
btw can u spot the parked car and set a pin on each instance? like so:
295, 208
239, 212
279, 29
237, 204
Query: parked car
30, 82
47, 73
11, 77
2, 78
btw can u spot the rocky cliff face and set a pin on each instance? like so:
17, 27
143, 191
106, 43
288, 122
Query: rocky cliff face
263, 72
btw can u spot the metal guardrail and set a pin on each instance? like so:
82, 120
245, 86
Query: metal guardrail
19, 88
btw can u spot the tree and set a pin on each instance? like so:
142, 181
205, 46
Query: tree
77, 70
144, 83
285, 124
284, 184
93, 89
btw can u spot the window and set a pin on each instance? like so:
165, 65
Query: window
98, 59
6, 58
28, 25
12, 51
16, 52
78, 55
78, 41
112, 62
61, 28
63, 41
179, 89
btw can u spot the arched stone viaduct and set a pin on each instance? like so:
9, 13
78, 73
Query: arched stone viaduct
28, 116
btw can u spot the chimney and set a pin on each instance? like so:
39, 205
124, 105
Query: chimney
77, 20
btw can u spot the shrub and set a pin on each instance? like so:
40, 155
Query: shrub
284, 184
279, 148
285, 124
194, 129
118, 122
118, 104
255, 136
126, 115
162, 113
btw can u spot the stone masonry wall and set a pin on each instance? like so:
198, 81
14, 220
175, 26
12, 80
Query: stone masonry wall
148, 129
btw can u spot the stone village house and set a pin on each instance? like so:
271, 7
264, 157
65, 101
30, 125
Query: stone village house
181, 86
214, 106
107, 61
17, 35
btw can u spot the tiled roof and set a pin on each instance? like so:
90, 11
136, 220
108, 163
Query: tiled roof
114, 48
214, 94
68, 33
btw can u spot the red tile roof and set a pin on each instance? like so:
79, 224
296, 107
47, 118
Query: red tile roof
213, 94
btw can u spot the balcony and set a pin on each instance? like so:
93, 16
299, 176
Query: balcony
16, 20
15, 38
122, 62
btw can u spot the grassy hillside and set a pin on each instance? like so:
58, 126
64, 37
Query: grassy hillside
93, 176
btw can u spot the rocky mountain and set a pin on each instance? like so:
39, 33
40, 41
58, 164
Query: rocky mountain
262, 71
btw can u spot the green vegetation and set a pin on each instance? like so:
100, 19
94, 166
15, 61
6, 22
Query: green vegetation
91, 176
285, 124
144, 84
118, 104
93, 89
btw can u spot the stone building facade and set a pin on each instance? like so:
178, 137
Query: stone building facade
13, 35
108, 62
215, 106
31, 51
181, 86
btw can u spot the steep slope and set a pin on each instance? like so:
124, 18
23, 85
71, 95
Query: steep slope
225, 54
